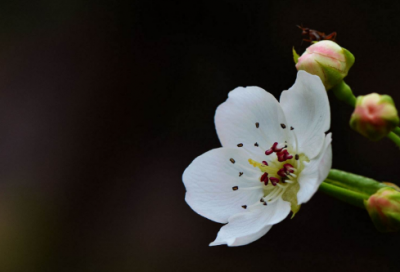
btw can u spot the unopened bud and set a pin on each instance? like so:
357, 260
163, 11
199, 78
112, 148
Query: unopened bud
374, 116
384, 209
327, 60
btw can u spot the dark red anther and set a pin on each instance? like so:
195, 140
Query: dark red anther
274, 181
269, 152
273, 149
265, 163
282, 172
264, 178
288, 168
284, 155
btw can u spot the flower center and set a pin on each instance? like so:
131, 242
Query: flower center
281, 172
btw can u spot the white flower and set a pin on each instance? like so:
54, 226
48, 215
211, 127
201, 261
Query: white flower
274, 157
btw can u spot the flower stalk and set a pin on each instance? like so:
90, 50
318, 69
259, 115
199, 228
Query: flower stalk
351, 188
396, 130
344, 93
395, 138
345, 195
354, 182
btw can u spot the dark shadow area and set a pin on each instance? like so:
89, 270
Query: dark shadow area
104, 104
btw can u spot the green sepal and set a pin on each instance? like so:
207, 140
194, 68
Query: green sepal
290, 195
295, 55
332, 75
349, 58
386, 99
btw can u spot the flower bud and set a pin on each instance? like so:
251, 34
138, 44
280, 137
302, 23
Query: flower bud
384, 209
327, 60
374, 116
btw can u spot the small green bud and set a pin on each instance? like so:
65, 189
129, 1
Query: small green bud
384, 209
327, 60
374, 116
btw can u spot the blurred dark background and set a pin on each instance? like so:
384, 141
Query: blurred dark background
104, 104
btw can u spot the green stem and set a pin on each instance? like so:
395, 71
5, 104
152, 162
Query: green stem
349, 187
354, 198
354, 182
343, 92
395, 138
396, 130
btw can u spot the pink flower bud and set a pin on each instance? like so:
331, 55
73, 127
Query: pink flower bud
384, 209
374, 116
327, 60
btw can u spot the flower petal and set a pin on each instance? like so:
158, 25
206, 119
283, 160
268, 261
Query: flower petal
306, 107
315, 172
251, 115
250, 225
209, 182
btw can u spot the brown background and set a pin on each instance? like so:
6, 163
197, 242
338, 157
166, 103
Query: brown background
104, 104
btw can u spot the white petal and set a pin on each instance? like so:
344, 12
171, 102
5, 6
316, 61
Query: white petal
315, 172
236, 119
306, 107
244, 240
209, 180
250, 225
326, 162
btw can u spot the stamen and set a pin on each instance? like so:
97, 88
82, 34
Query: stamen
274, 180
279, 147
232, 160
273, 194
240, 145
288, 167
281, 186
282, 172
289, 157
284, 155
275, 148
265, 163
269, 152
296, 141
276, 197
251, 188
264, 178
